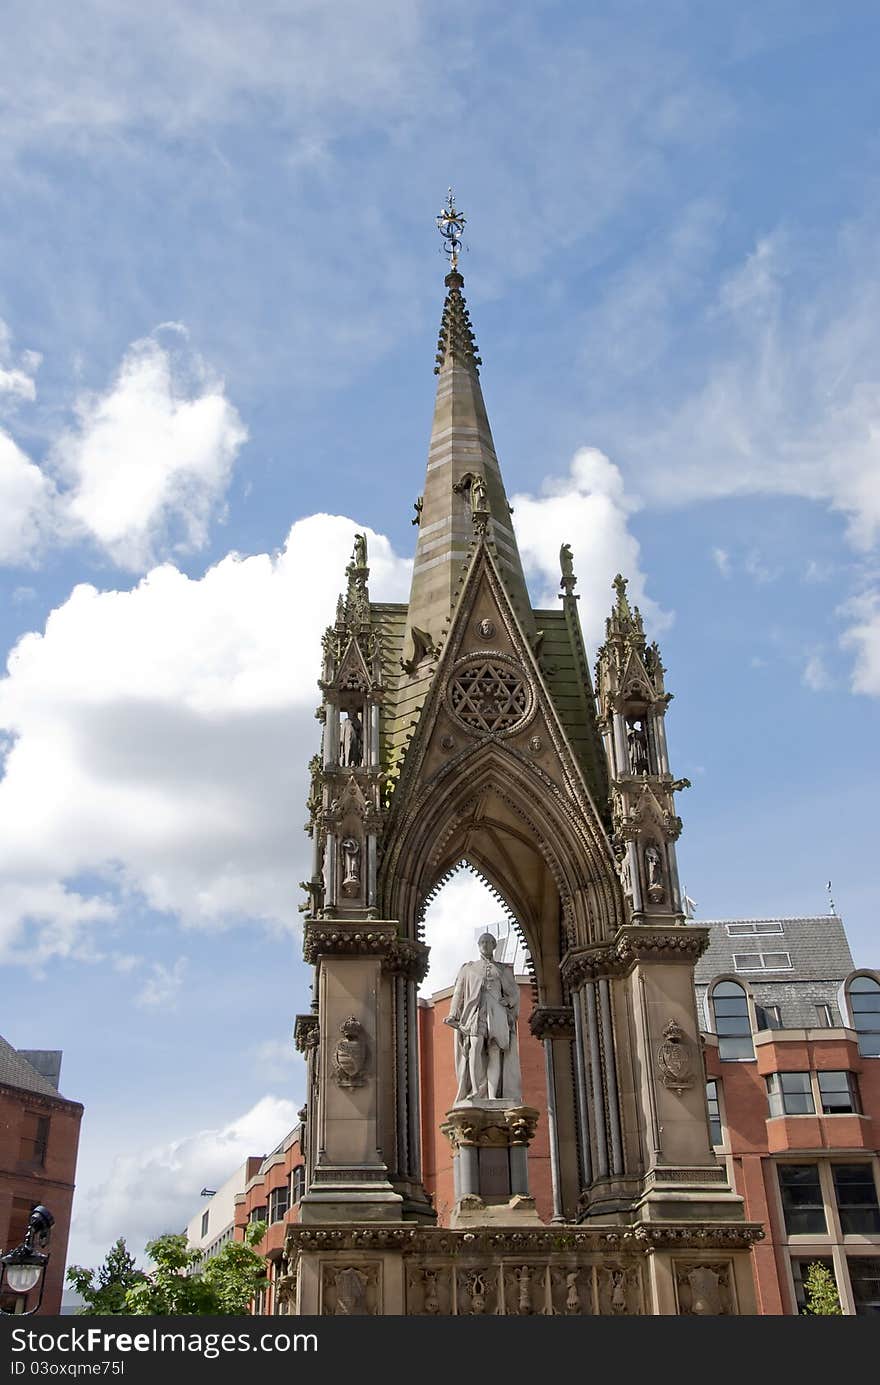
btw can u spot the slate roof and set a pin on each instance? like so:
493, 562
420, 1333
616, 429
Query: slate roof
818, 949
16, 1071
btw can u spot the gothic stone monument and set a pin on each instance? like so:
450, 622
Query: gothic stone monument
464, 726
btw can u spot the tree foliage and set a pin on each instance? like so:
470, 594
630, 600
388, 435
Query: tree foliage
176, 1286
821, 1291
104, 1290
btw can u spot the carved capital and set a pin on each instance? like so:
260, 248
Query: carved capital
633, 944
407, 958
305, 1033
552, 1022
347, 938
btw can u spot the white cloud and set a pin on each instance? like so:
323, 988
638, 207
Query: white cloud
161, 989
151, 458
16, 378
863, 638
275, 1057
145, 1193
721, 559
815, 675
589, 509
26, 498
464, 906
159, 742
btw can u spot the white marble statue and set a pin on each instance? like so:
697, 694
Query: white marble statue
483, 1012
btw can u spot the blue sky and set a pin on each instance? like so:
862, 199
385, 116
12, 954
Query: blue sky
220, 297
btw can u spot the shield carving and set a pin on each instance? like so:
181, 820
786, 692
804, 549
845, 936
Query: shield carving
675, 1058
705, 1287
350, 1054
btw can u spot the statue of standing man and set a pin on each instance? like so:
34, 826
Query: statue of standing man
483, 1012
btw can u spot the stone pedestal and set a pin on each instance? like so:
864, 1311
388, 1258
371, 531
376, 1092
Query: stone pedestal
490, 1141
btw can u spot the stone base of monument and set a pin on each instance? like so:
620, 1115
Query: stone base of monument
696, 1269
490, 1141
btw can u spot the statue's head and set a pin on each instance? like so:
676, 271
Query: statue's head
487, 944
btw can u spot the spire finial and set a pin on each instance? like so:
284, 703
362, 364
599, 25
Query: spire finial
451, 224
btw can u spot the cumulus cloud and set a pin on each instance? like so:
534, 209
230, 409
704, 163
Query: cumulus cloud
150, 458
158, 740
815, 675
162, 986
143, 1194
26, 500
16, 375
862, 637
590, 509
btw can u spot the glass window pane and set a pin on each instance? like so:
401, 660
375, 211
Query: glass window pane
769, 928
747, 961
856, 1199
777, 960
729, 988
713, 1103
802, 1204
864, 1276
839, 1092
799, 1270
730, 1048
869, 1045
864, 983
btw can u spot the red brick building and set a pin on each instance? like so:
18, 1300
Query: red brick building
39, 1139
272, 1192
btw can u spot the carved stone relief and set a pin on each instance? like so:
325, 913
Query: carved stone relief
572, 1291
352, 1291
654, 874
351, 866
675, 1059
477, 1291
620, 1290
705, 1290
429, 1291
350, 1055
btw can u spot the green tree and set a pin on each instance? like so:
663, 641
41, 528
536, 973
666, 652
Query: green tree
104, 1290
821, 1291
176, 1287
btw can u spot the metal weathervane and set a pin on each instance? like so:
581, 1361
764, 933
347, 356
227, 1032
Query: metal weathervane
451, 224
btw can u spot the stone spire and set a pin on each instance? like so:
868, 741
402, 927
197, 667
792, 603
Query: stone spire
464, 499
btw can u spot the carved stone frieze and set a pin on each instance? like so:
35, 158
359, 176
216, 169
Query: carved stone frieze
634, 943
476, 1125
620, 1290
347, 938
477, 1291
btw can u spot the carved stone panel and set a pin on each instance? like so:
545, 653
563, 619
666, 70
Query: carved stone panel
429, 1291
525, 1290
351, 1290
572, 1290
477, 1291
620, 1290
350, 1055
705, 1289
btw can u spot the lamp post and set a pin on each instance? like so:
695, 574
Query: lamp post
24, 1269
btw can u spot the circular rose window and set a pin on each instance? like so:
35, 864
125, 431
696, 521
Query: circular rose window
489, 694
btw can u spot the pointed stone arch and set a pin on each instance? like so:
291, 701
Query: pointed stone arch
509, 820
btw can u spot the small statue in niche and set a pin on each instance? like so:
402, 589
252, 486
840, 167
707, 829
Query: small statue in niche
351, 866
654, 873
637, 742
568, 581
479, 494
352, 749
359, 556
618, 1291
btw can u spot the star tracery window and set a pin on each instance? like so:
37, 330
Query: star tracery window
487, 695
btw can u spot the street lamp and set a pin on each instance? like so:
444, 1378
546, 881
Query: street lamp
23, 1269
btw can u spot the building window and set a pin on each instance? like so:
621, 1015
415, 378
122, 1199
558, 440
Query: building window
839, 1093
714, 1104
802, 1205
864, 1276
824, 1016
864, 1006
732, 1022
258, 1214
297, 1183
790, 1094
762, 961
205, 1217
856, 1195
768, 1016
278, 1203
34, 1139
742, 930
